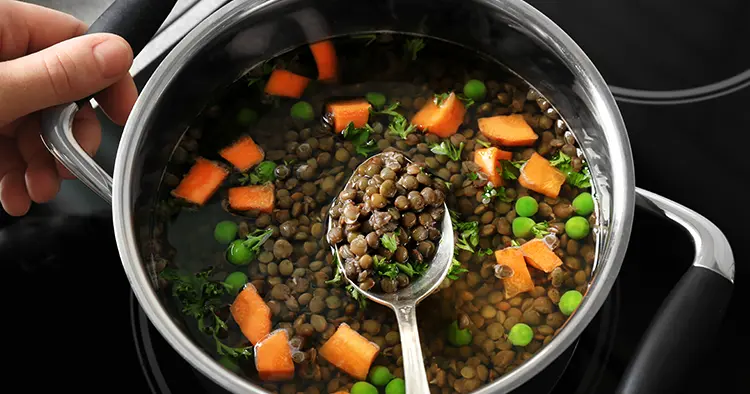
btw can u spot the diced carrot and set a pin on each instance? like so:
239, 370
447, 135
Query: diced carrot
260, 197
508, 130
243, 153
201, 181
349, 111
252, 314
540, 256
442, 120
286, 83
520, 281
540, 176
273, 357
488, 161
325, 57
350, 352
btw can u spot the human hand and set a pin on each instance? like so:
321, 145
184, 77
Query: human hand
45, 61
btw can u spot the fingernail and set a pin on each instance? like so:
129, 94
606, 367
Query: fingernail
112, 56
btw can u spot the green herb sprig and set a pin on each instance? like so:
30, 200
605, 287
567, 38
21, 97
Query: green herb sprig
580, 179
447, 149
412, 47
399, 126
201, 298
360, 138
262, 174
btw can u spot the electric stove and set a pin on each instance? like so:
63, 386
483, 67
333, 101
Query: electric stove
680, 71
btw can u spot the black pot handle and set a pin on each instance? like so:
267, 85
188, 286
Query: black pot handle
686, 323
136, 21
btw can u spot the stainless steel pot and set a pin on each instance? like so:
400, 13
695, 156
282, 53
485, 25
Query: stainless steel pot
245, 32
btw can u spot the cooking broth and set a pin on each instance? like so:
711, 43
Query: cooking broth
491, 315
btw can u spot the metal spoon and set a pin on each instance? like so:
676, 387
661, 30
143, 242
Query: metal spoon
404, 302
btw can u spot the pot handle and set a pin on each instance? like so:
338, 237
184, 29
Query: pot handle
134, 20
691, 314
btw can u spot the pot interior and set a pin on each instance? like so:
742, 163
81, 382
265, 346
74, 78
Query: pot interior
216, 76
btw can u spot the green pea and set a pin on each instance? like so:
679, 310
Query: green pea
376, 99
576, 227
225, 231
570, 301
396, 386
522, 227
238, 253
302, 110
520, 334
235, 281
475, 90
458, 337
526, 206
583, 204
246, 117
380, 375
229, 364
363, 388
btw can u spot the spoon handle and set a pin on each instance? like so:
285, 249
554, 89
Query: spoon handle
411, 350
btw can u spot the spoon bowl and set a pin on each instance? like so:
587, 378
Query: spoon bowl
404, 301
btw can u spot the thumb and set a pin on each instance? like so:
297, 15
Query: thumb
66, 72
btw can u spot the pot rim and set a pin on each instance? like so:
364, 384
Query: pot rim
619, 227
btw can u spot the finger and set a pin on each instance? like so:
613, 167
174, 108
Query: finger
42, 179
87, 131
65, 72
117, 100
10, 158
13, 195
27, 28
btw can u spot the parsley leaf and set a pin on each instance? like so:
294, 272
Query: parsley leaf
384, 268
399, 125
485, 252
468, 234
456, 270
472, 176
440, 98
491, 193
389, 241
412, 47
559, 160
513, 242
360, 137
540, 229
263, 173
200, 298
338, 278
447, 149
483, 143
511, 169
355, 294
580, 180
468, 102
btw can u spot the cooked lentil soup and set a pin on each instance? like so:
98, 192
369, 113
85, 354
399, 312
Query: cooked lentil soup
241, 238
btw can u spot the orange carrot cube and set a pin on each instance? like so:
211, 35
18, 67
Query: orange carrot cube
508, 130
539, 175
201, 182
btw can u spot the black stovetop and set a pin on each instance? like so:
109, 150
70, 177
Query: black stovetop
681, 73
